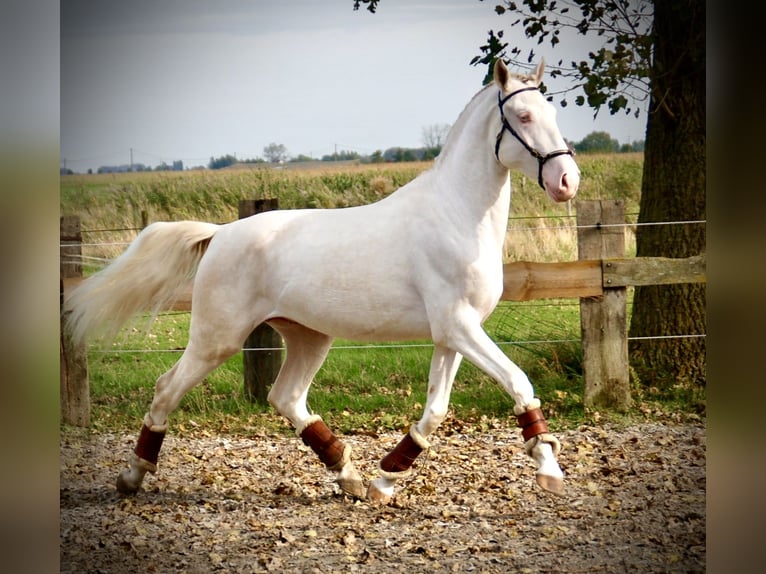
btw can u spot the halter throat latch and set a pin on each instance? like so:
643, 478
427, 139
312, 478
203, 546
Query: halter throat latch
541, 158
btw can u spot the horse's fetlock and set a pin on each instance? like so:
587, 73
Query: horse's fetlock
532, 421
142, 465
330, 450
150, 441
544, 438
404, 454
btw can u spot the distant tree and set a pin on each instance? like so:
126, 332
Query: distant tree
221, 162
301, 158
398, 154
597, 142
430, 153
435, 135
343, 155
178, 165
377, 156
124, 168
393, 154
275, 153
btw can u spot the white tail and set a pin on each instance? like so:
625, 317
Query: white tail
157, 267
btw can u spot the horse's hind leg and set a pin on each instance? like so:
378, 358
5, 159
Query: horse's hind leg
188, 371
306, 351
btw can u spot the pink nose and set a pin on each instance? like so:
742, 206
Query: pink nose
567, 187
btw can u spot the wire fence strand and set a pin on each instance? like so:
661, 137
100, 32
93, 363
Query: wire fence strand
74, 260
400, 346
510, 228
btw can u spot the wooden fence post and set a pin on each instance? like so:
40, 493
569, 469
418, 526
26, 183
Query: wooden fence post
74, 385
604, 319
261, 367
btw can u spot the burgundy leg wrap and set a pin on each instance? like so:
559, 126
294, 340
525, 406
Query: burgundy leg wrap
402, 457
323, 442
149, 443
532, 423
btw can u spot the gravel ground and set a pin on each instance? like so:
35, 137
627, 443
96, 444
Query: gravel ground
634, 502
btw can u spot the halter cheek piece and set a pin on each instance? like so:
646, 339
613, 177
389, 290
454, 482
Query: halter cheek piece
541, 159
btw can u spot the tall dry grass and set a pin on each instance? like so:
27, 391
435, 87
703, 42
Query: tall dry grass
113, 207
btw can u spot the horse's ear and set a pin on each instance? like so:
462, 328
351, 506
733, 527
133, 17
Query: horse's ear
538, 75
501, 74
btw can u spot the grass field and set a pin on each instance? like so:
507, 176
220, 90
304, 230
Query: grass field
360, 388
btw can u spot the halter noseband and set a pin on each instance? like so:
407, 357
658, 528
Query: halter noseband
541, 159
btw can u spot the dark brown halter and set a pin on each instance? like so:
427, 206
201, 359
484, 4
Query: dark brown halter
541, 159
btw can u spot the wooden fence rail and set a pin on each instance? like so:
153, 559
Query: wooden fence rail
599, 279
530, 280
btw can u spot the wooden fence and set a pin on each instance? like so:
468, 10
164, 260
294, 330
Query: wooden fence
599, 279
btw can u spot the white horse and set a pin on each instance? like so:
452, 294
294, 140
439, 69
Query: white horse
425, 262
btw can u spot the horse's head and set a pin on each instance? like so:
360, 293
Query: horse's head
533, 142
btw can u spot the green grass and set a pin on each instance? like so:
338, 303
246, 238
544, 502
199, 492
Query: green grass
364, 388
358, 389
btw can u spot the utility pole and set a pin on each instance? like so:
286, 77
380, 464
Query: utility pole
131, 159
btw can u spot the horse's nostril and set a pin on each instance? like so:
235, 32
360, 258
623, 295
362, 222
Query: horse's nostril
566, 186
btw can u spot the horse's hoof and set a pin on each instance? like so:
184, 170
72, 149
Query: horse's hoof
124, 486
352, 487
552, 484
377, 496
350, 481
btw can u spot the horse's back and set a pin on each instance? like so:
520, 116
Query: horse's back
346, 272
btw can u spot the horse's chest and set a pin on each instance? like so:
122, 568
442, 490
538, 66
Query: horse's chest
483, 284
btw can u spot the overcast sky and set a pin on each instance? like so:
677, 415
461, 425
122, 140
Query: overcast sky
192, 79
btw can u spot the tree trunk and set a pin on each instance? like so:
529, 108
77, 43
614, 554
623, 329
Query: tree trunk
673, 189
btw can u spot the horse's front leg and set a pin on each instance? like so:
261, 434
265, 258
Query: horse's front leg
398, 463
539, 443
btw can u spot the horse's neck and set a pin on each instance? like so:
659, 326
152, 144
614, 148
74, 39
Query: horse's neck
469, 177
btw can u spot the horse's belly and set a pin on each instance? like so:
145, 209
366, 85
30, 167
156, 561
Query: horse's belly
360, 312
400, 330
